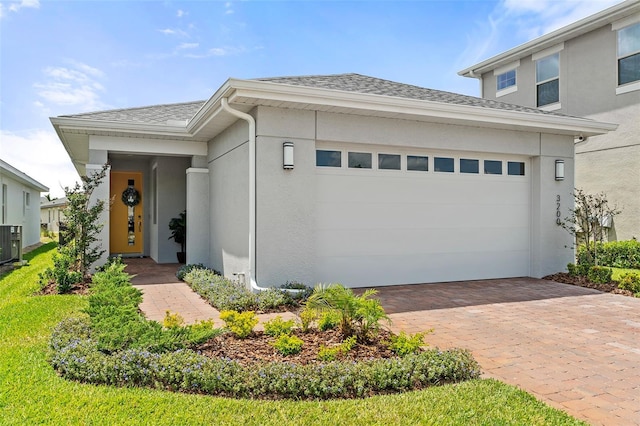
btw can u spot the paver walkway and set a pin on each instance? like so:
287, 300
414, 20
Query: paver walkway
576, 349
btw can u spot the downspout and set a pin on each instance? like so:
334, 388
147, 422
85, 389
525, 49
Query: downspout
252, 192
479, 77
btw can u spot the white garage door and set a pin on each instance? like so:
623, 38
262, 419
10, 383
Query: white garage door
383, 225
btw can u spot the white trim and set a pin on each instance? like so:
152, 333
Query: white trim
508, 90
548, 52
551, 107
197, 170
505, 68
629, 87
629, 20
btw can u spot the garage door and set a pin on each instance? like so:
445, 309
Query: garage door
386, 217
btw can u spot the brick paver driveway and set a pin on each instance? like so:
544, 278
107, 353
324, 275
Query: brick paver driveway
576, 349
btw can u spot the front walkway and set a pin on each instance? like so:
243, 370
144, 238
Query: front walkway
576, 349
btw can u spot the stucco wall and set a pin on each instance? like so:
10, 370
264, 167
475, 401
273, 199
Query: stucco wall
286, 217
18, 213
228, 163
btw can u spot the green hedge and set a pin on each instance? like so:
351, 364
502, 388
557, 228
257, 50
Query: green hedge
617, 254
75, 355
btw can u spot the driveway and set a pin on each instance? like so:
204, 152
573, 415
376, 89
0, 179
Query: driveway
574, 348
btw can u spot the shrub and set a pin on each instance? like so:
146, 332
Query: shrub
172, 320
329, 320
405, 344
331, 353
272, 298
288, 345
359, 315
221, 292
185, 269
117, 323
599, 274
303, 291
277, 326
75, 356
631, 282
240, 324
307, 317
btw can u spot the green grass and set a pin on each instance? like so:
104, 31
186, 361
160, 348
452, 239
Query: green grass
618, 272
32, 393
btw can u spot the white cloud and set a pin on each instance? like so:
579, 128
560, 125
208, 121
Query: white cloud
513, 22
171, 31
180, 13
41, 155
189, 46
76, 85
228, 8
16, 6
218, 51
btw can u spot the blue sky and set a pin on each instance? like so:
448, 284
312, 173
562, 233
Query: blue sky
65, 57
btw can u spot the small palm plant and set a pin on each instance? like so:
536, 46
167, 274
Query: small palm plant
178, 227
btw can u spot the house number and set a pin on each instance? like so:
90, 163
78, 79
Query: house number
558, 214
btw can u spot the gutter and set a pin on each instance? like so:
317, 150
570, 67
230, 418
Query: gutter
249, 277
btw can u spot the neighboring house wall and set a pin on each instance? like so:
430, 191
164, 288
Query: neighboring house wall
589, 88
20, 197
292, 215
52, 213
228, 160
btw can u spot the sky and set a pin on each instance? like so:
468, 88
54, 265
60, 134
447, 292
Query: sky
68, 57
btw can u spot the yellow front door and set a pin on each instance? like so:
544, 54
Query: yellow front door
125, 226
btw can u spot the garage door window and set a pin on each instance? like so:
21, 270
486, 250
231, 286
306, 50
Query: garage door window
515, 168
328, 158
388, 161
492, 167
443, 164
417, 163
469, 166
359, 160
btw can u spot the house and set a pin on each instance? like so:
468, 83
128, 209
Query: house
20, 208
590, 68
52, 213
338, 178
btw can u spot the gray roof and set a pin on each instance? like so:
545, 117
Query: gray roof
357, 83
364, 84
155, 114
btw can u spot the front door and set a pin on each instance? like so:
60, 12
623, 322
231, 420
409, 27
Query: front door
125, 227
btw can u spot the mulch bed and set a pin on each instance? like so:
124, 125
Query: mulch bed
581, 281
256, 349
52, 288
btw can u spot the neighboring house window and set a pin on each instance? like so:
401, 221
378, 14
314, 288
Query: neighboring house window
492, 167
506, 80
629, 54
360, 160
548, 80
388, 162
443, 164
328, 158
4, 203
469, 166
417, 163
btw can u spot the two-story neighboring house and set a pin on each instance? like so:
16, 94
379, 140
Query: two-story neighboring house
591, 69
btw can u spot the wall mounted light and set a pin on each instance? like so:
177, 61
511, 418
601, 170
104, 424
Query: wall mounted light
559, 169
287, 155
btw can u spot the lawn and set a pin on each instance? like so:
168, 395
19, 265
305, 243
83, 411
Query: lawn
618, 272
31, 392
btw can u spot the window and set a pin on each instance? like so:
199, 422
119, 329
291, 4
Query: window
506, 79
629, 54
328, 158
417, 163
469, 166
388, 162
442, 164
515, 168
548, 80
359, 160
492, 167
4, 203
